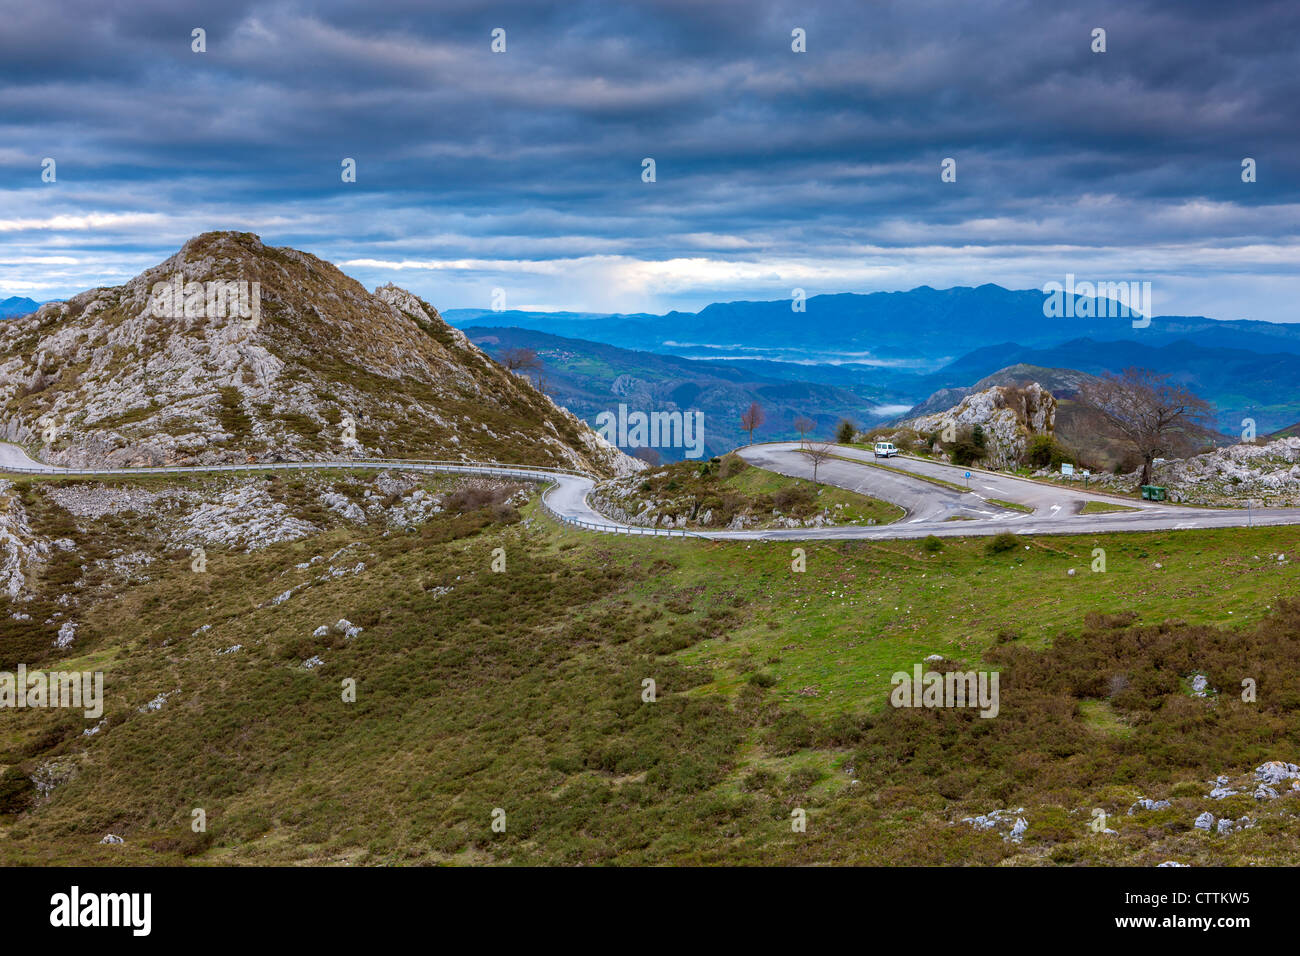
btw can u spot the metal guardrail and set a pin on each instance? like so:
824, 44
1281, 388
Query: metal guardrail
621, 528
617, 528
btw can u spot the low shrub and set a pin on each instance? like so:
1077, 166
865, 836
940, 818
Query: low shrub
1002, 542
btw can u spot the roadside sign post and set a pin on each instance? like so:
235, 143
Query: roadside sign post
968, 481
1086, 475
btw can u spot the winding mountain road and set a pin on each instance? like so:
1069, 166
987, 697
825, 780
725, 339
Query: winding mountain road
931, 509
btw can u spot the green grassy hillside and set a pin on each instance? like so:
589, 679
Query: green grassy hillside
524, 690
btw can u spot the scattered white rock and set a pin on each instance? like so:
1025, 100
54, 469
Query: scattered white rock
997, 819
112, 838
1275, 771
1145, 803
342, 505
157, 703
67, 634
1205, 821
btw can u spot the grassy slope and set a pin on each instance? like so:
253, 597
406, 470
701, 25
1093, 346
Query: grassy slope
856, 507
694, 488
522, 690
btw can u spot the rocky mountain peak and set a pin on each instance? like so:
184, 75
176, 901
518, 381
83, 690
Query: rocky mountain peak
232, 350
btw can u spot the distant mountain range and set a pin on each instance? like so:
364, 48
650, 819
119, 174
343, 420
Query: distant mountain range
17, 305
923, 329
589, 378
904, 346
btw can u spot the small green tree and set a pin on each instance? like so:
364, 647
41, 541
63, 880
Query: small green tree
845, 431
1044, 451
965, 451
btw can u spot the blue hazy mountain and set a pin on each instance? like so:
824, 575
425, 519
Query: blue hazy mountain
17, 305
920, 330
590, 377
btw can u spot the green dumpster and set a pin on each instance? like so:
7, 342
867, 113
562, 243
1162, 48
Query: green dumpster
1153, 493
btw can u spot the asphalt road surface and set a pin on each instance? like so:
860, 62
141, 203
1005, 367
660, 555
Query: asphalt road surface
931, 509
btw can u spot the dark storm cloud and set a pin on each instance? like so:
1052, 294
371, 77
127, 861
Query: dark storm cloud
763, 155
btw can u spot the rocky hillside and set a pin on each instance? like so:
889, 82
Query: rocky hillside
1009, 415
1266, 473
1061, 382
306, 365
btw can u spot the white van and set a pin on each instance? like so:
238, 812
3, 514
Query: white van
885, 449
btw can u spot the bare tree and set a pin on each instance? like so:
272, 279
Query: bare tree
751, 418
819, 453
519, 359
803, 425
1141, 407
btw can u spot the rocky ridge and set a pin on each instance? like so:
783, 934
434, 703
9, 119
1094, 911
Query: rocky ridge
314, 367
1010, 416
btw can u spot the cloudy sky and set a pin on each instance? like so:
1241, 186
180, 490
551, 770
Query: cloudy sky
522, 170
